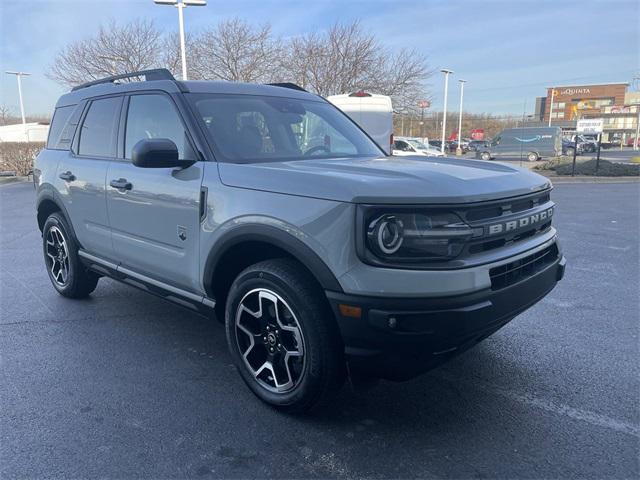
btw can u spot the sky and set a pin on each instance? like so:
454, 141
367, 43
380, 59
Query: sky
507, 51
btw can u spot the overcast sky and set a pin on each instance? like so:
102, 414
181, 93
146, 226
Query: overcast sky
508, 51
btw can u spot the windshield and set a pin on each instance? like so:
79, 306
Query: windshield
418, 145
249, 128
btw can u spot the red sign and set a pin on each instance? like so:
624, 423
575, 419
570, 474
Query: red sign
477, 134
424, 104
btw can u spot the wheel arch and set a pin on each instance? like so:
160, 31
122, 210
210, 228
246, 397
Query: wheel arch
248, 244
48, 203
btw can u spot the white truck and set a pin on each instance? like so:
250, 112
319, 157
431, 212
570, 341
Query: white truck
373, 113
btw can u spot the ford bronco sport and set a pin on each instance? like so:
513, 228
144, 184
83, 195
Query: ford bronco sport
266, 203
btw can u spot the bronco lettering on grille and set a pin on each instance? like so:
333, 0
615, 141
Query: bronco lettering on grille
529, 220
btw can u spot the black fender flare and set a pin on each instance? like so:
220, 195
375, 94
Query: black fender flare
276, 237
48, 193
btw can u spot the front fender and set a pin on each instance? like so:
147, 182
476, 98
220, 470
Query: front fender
283, 238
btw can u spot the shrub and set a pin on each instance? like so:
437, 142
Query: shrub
606, 169
18, 156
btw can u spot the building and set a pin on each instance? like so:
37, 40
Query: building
30, 132
611, 101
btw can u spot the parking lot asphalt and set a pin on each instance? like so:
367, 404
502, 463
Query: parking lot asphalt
124, 385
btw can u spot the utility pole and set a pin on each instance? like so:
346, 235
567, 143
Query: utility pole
459, 149
444, 115
553, 92
181, 5
19, 76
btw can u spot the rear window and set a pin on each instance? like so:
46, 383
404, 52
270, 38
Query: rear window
97, 135
60, 120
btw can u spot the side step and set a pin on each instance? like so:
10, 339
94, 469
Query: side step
193, 301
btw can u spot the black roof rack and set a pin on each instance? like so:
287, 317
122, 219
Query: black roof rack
153, 74
290, 85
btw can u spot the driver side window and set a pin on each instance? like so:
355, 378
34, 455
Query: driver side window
402, 146
155, 116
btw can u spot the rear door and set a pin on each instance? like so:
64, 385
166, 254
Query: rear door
155, 220
82, 173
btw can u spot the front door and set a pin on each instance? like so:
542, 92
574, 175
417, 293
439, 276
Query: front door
154, 212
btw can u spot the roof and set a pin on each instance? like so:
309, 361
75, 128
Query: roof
170, 86
601, 84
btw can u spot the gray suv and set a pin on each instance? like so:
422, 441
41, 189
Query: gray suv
267, 205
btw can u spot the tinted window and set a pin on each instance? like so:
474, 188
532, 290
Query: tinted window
154, 116
248, 128
60, 118
99, 126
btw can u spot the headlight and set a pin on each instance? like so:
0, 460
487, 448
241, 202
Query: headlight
414, 238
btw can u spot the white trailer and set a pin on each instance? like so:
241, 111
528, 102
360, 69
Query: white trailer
374, 114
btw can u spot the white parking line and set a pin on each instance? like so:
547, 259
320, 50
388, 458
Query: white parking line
553, 407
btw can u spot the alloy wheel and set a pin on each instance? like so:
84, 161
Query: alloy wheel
57, 256
270, 340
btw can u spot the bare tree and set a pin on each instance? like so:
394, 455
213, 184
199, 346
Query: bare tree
237, 51
114, 50
346, 59
5, 115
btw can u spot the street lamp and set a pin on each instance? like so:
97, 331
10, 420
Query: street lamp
180, 5
553, 94
19, 76
444, 115
459, 150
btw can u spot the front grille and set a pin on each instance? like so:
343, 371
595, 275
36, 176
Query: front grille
499, 211
513, 272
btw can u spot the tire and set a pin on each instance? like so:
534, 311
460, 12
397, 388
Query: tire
66, 272
302, 344
532, 157
485, 156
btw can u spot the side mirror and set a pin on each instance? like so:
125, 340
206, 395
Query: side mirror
156, 153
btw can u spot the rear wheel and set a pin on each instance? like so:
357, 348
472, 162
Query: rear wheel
282, 337
532, 157
66, 272
485, 156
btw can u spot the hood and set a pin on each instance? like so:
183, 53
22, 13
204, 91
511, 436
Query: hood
388, 180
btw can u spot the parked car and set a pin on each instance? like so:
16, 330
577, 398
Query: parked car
475, 144
314, 257
437, 144
374, 114
404, 146
569, 146
452, 146
587, 144
532, 143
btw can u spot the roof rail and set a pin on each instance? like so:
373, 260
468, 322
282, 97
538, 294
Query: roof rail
153, 74
290, 85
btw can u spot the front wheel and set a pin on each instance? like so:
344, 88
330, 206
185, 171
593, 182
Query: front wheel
485, 156
532, 157
282, 336
66, 272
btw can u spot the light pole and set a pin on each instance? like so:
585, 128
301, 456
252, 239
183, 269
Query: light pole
19, 76
444, 115
459, 150
180, 5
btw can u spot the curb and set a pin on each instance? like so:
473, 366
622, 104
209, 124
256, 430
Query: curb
558, 179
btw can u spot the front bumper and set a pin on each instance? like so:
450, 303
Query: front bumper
399, 338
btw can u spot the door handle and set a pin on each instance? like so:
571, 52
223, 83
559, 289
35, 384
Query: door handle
121, 184
67, 176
